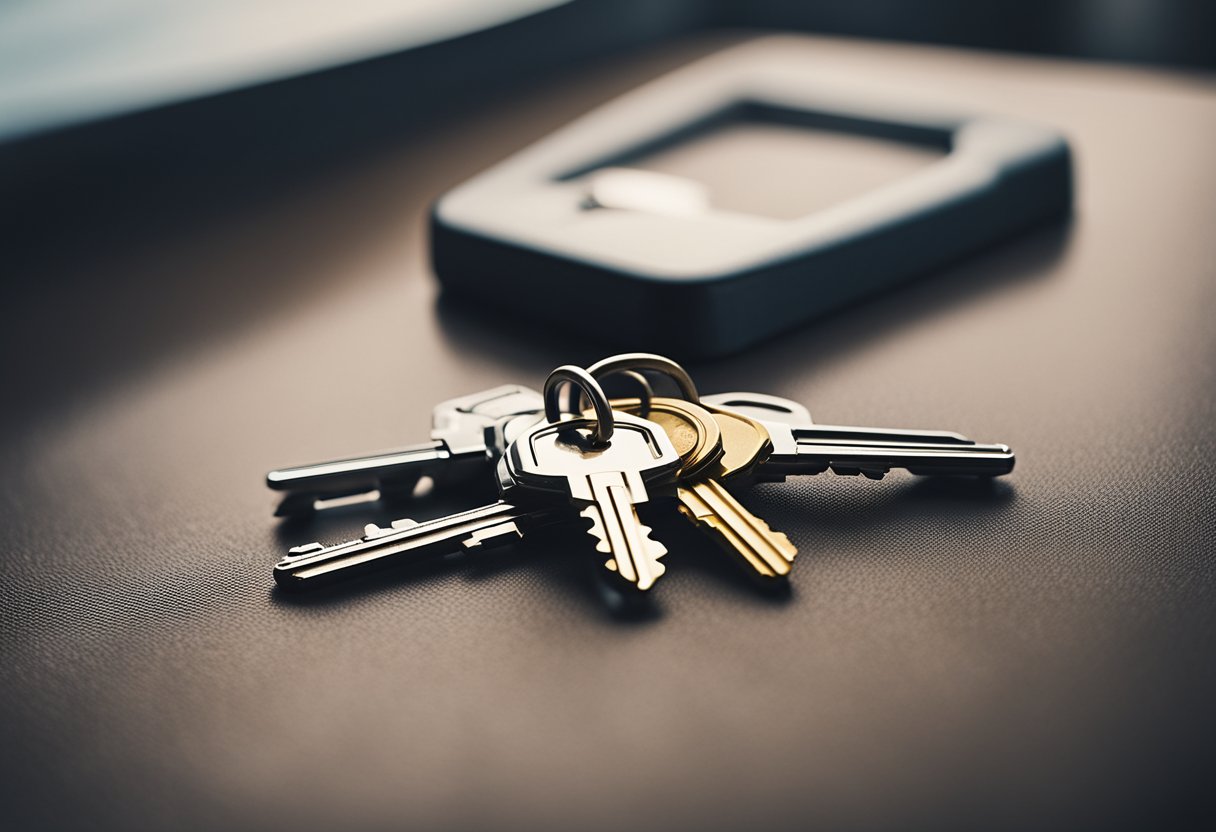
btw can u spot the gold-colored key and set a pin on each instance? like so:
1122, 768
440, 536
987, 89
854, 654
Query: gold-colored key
742, 444
745, 445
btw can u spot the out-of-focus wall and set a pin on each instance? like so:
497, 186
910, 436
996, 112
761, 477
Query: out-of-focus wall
1173, 32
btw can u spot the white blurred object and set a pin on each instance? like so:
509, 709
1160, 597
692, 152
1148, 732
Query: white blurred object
627, 189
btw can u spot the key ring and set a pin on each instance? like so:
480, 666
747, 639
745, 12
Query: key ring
631, 362
605, 424
645, 394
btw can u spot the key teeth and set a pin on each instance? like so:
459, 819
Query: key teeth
654, 548
780, 537
792, 551
597, 530
656, 551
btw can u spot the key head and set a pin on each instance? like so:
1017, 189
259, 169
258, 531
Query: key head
746, 444
559, 457
761, 407
779, 417
692, 430
500, 436
462, 422
713, 442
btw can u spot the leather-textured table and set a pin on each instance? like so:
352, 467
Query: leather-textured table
1036, 654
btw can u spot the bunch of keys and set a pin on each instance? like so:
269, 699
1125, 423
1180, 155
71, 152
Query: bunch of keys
594, 463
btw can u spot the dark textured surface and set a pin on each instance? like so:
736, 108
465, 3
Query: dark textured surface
1038, 654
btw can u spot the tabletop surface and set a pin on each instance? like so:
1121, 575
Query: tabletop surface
1037, 653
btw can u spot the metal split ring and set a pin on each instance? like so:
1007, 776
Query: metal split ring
605, 423
631, 362
645, 393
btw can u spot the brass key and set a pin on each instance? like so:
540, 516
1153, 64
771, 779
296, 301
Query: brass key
745, 445
713, 447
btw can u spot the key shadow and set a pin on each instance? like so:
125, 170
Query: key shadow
563, 557
845, 518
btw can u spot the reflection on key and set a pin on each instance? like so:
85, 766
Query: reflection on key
802, 447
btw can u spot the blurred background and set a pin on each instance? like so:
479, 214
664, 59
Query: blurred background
213, 262
123, 120
117, 109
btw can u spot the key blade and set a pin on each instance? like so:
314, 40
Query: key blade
762, 407
315, 565
877, 458
356, 470
392, 472
654, 549
865, 435
618, 531
767, 553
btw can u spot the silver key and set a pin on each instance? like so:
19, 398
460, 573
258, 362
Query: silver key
603, 466
409, 542
456, 453
802, 447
